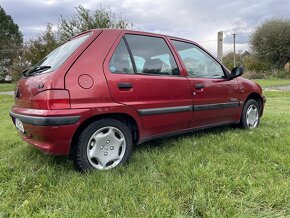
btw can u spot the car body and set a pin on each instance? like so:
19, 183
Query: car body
155, 85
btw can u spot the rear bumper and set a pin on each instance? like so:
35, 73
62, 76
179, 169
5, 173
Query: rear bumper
51, 134
46, 121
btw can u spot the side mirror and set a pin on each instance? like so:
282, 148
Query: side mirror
236, 72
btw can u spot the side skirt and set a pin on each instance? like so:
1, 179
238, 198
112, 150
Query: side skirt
169, 134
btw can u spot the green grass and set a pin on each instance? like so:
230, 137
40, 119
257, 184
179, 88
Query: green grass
222, 172
272, 82
4, 87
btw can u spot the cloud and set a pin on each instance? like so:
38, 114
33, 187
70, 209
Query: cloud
192, 19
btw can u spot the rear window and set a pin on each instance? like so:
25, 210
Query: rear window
58, 56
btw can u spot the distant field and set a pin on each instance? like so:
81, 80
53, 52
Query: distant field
4, 87
263, 82
273, 82
222, 172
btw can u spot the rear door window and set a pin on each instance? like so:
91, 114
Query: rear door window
121, 61
151, 55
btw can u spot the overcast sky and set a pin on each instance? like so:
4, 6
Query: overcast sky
192, 19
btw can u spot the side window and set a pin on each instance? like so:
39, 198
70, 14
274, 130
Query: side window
120, 61
152, 55
197, 62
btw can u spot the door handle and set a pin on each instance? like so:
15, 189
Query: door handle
125, 85
199, 86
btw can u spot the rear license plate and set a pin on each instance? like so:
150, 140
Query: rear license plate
19, 125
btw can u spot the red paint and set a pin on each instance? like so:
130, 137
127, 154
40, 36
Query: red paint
84, 86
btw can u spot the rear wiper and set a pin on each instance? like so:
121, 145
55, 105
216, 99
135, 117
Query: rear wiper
37, 69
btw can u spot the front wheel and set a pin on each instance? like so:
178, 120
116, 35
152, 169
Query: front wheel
103, 145
250, 115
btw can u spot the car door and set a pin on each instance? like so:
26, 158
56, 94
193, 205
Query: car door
142, 73
215, 98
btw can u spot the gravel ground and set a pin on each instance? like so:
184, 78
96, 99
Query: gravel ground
7, 93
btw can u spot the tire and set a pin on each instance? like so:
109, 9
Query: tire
250, 118
103, 145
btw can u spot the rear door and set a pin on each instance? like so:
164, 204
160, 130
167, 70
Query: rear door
142, 73
215, 98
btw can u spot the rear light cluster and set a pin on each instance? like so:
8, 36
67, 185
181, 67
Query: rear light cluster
51, 99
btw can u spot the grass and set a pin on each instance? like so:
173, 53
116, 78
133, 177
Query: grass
4, 87
222, 172
272, 82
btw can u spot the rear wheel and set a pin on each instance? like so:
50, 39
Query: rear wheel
250, 115
103, 145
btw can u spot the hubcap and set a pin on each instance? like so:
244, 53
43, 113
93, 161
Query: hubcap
106, 148
252, 116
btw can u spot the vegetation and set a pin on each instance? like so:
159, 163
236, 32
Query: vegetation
33, 50
4, 87
10, 40
271, 41
272, 82
84, 20
222, 172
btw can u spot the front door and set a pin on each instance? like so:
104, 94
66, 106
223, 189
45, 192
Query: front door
142, 73
215, 99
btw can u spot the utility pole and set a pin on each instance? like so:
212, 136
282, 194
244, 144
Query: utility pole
234, 35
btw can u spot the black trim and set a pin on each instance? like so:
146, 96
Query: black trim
125, 85
130, 53
46, 121
199, 86
164, 110
216, 106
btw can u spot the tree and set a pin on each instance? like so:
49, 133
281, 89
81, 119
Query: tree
10, 40
38, 48
34, 50
84, 20
271, 41
228, 60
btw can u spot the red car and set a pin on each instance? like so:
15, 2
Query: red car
104, 90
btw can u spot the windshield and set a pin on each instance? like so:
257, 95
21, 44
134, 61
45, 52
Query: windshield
58, 56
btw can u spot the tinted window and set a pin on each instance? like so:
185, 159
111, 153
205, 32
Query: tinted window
197, 62
120, 61
58, 56
152, 55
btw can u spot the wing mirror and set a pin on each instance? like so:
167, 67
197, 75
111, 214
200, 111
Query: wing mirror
236, 72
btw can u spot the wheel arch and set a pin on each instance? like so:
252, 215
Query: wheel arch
258, 98
122, 117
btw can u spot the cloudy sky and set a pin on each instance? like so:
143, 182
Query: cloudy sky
192, 19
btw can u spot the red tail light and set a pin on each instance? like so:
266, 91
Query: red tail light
51, 99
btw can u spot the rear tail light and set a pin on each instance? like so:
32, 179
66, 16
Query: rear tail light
51, 99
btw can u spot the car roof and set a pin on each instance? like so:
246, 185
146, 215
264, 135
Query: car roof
118, 31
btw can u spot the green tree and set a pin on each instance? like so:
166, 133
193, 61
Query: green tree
34, 50
271, 41
84, 19
228, 60
38, 48
10, 40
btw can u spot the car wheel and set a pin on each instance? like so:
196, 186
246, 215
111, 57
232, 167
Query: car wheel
250, 115
103, 145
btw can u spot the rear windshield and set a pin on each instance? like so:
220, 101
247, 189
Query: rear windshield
58, 56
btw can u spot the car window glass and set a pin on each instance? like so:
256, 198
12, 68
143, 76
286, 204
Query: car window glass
120, 61
152, 55
58, 56
197, 62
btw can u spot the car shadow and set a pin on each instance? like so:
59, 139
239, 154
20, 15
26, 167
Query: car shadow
169, 141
